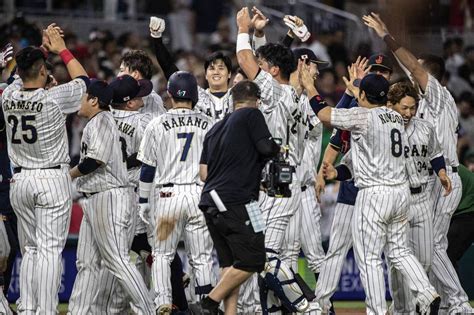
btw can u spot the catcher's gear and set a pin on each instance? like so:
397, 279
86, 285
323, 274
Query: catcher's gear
183, 85
297, 27
157, 27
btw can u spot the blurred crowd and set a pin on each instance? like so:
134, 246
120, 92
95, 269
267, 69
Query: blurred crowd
214, 30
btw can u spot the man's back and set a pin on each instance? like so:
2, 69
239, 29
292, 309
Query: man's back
173, 143
232, 157
35, 120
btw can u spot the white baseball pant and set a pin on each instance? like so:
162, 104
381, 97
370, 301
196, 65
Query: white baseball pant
380, 224
175, 215
4, 252
42, 201
420, 241
340, 241
105, 238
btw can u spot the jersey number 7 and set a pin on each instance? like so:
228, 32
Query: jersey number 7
187, 144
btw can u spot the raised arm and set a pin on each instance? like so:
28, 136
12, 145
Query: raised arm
245, 57
163, 56
57, 45
406, 58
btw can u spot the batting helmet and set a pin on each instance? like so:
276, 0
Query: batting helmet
183, 85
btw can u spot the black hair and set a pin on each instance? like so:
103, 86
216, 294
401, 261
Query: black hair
280, 56
218, 55
138, 60
245, 91
239, 70
434, 65
400, 90
29, 62
102, 105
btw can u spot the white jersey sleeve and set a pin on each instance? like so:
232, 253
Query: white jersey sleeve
436, 96
68, 96
353, 119
271, 91
153, 104
148, 152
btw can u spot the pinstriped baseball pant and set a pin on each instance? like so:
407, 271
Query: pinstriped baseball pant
181, 208
420, 240
340, 241
443, 275
42, 201
380, 224
4, 252
104, 242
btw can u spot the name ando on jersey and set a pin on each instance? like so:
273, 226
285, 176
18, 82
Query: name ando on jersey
175, 122
10, 105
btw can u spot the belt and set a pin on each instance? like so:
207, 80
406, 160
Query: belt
88, 195
417, 190
172, 185
303, 188
19, 169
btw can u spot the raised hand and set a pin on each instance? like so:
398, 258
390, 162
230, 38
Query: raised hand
6, 54
157, 27
297, 27
351, 88
361, 67
243, 20
306, 79
56, 43
375, 22
259, 20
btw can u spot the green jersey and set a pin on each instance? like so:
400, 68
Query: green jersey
467, 199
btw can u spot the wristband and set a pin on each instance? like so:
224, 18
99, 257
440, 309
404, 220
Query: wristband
259, 41
438, 164
144, 189
66, 56
243, 42
391, 43
343, 173
317, 104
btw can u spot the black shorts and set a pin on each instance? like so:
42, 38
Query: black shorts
235, 241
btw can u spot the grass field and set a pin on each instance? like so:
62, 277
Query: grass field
341, 307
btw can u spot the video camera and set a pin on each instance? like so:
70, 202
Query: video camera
278, 175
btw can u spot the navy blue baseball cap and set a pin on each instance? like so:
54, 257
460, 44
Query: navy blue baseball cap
375, 87
381, 61
308, 54
26, 57
101, 90
127, 88
183, 85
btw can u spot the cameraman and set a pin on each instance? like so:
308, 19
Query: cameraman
232, 160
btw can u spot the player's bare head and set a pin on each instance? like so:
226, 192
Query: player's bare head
380, 64
218, 68
433, 64
277, 60
373, 91
403, 98
245, 94
31, 65
239, 76
183, 89
97, 98
129, 93
137, 64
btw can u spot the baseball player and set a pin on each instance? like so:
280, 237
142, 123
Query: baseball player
41, 189
137, 64
215, 101
279, 104
170, 153
439, 108
380, 213
340, 240
108, 223
425, 152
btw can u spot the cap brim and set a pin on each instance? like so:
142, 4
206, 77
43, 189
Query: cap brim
145, 88
381, 66
321, 64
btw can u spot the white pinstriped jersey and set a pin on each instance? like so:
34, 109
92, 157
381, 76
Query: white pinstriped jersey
378, 141
131, 126
439, 108
214, 106
284, 117
152, 104
424, 146
100, 141
173, 143
312, 145
35, 121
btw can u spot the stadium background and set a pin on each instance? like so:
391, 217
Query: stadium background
99, 32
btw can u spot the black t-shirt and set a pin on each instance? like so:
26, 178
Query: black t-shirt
234, 165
